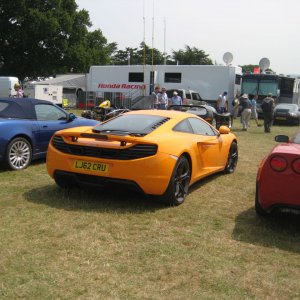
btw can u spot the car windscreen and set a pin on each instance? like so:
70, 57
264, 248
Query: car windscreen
296, 138
290, 107
131, 124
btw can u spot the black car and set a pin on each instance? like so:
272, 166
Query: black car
206, 112
287, 113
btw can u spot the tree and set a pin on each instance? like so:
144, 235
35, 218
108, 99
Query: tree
42, 38
191, 56
138, 56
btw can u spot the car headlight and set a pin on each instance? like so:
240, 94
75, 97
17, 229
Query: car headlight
292, 114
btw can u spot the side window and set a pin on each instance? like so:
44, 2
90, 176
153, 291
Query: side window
48, 112
200, 127
188, 96
196, 96
184, 126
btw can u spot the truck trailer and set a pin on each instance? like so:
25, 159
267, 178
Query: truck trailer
125, 83
51, 93
7, 86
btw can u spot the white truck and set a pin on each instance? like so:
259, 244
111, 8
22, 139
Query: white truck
53, 93
7, 86
129, 82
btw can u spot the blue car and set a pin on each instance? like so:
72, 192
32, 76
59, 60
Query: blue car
26, 127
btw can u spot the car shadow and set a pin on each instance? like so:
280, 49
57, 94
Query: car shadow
97, 200
281, 231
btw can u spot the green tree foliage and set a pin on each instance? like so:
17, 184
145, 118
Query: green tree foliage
42, 38
191, 56
138, 56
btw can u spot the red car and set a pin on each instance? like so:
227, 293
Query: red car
278, 178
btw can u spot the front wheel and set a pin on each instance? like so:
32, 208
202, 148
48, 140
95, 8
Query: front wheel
232, 158
18, 154
179, 183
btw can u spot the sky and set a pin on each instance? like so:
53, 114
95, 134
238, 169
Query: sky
249, 29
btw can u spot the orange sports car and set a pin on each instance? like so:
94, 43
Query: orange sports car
159, 152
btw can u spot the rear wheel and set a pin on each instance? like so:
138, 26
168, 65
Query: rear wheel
179, 183
232, 158
18, 154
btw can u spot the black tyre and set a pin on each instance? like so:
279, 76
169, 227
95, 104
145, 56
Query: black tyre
179, 183
18, 154
232, 158
258, 208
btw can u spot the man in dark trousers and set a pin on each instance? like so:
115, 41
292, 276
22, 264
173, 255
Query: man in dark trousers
267, 107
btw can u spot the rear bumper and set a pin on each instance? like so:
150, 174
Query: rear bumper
149, 174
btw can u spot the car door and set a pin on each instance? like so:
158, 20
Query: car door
50, 118
208, 146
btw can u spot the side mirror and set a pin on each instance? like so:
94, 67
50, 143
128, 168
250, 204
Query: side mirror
224, 129
71, 117
282, 138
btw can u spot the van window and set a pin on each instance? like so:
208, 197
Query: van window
173, 77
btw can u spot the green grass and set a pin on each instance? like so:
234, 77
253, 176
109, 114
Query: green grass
78, 244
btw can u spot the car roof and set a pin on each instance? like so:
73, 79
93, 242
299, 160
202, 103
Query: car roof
21, 108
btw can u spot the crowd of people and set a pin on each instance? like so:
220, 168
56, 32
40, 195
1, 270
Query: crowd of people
246, 105
161, 98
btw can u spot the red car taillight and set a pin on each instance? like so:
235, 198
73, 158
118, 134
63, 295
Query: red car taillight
296, 166
278, 163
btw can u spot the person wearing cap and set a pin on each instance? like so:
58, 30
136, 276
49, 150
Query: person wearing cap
222, 105
267, 107
246, 111
175, 100
19, 91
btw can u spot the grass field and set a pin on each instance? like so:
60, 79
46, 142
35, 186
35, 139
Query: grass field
77, 244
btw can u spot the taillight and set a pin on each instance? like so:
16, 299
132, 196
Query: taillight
278, 163
296, 166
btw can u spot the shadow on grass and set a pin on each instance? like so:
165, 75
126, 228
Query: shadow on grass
93, 199
278, 230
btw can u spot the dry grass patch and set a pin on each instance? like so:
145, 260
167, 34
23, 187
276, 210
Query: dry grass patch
119, 245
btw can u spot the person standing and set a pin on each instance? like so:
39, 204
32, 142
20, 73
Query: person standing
254, 115
157, 94
175, 100
222, 104
163, 100
267, 107
19, 91
246, 111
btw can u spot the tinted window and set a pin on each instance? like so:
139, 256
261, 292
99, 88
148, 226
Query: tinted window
200, 127
296, 138
196, 96
184, 126
173, 77
136, 77
132, 123
49, 112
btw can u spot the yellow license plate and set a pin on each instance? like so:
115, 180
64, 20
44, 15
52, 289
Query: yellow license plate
90, 166
280, 118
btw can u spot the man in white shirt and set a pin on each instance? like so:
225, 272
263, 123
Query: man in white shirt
222, 103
